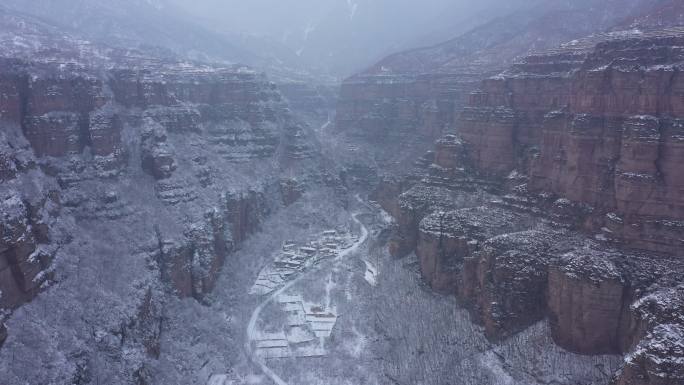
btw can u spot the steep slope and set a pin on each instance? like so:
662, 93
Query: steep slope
126, 179
129, 180
560, 198
497, 43
341, 37
600, 127
407, 100
135, 24
661, 14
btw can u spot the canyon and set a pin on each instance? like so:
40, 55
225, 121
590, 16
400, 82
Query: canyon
513, 202
559, 198
175, 165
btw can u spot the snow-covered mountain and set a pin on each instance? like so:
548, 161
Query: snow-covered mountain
491, 44
332, 38
341, 37
135, 24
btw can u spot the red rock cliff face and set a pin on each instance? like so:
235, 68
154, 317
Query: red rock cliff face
57, 115
377, 107
192, 265
503, 284
561, 144
586, 306
91, 131
512, 264
23, 263
607, 133
446, 239
31, 227
409, 99
13, 82
405, 113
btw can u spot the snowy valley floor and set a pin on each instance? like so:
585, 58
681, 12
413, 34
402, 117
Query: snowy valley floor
378, 323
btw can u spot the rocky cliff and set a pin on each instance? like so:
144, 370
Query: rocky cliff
559, 199
409, 99
513, 261
602, 128
127, 181
122, 184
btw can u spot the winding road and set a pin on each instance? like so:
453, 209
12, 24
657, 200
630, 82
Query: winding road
251, 327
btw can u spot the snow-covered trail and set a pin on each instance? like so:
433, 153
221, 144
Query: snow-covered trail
251, 327
328, 123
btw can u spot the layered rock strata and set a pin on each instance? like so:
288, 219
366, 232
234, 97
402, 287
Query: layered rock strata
405, 113
409, 99
559, 200
29, 226
154, 173
597, 123
512, 265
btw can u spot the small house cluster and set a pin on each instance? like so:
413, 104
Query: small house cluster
294, 258
307, 328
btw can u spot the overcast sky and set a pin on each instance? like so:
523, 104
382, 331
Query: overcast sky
272, 16
326, 37
344, 36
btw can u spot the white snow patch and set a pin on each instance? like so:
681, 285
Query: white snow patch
307, 31
253, 379
386, 217
371, 273
353, 7
600, 237
219, 379
493, 363
356, 346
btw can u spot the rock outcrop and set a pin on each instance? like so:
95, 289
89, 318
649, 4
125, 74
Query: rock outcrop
23, 262
559, 196
656, 359
503, 283
162, 118
601, 128
446, 238
404, 113
30, 206
585, 302
512, 265
128, 180
411, 98
558, 199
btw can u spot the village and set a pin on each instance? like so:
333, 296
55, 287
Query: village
293, 259
306, 325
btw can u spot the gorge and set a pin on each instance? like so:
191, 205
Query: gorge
504, 207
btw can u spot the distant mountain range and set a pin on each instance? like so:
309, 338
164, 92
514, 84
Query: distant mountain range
326, 39
494, 44
332, 39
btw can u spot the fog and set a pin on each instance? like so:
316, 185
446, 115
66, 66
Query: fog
341, 192
343, 36
317, 38
324, 39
